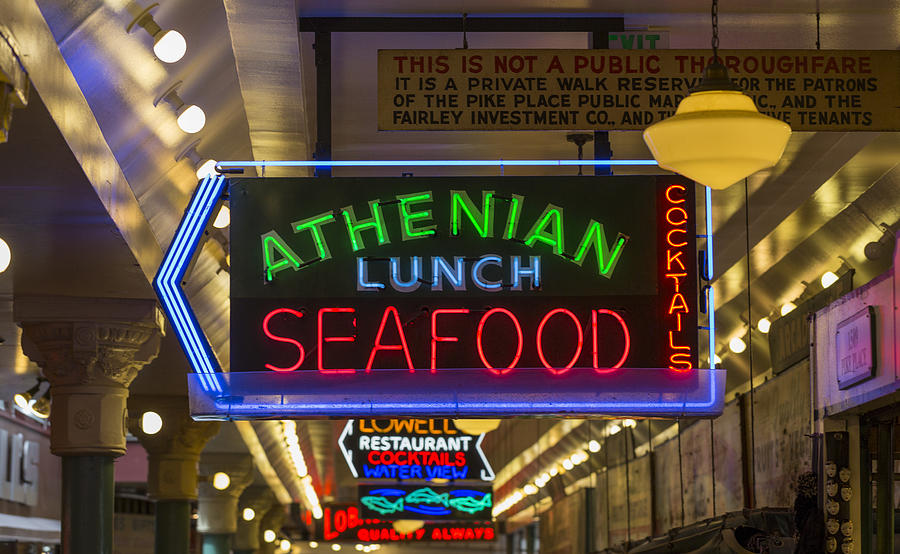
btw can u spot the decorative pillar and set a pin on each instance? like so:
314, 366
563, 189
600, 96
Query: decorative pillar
173, 456
217, 510
90, 350
259, 499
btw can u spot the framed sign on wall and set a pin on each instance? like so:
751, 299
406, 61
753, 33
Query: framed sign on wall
457, 296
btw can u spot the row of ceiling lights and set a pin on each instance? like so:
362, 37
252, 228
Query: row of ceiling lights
292, 444
169, 46
738, 345
576, 457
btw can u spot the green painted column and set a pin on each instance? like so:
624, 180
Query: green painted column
90, 349
87, 504
172, 528
216, 544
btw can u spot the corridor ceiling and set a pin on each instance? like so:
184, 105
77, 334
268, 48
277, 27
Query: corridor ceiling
254, 76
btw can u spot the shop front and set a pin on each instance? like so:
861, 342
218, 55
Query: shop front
29, 486
857, 384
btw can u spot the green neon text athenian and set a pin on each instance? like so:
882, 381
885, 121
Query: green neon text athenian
408, 230
607, 257
552, 217
277, 255
512, 217
355, 226
482, 219
314, 224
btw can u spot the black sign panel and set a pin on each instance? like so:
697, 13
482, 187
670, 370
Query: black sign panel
349, 275
426, 502
423, 449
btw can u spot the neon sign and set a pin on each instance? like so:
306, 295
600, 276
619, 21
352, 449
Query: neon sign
486, 293
412, 449
429, 503
346, 523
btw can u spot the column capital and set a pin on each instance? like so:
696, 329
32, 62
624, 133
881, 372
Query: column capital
90, 349
174, 452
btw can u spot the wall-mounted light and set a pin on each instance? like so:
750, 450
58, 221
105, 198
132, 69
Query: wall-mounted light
337, 547
313, 544
828, 278
221, 480
5, 255
205, 166
787, 308
151, 423
36, 400
269, 535
737, 345
285, 545
223, 218
248, 514
168, 45
190, 117
594, 446
530, 489
763, 325
882, 247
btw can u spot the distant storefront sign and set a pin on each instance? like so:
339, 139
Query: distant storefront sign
811, 90
19, 460
346, 523
426, 502
413, 449
854, 341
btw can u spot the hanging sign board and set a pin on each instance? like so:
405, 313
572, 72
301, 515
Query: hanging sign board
482, 296
426, 502
412, 449
451, 90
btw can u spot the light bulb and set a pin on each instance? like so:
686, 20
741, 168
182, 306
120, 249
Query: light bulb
313, 544
567, 463
554, 471
530, 489
717, 359
221, 480
191, 119
359, 547
335, 547
207, 168
269, 535
248, 514
629, 423
787, 308
151, 423
763, 325
594, 446
21, 401
614, 429
828, 279
170, 46
223, 219
545, 477
5, 255
285, 545
737, 345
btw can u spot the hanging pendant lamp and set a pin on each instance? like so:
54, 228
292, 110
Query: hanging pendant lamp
717, 136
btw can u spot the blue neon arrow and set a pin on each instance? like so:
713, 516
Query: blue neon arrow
167, 282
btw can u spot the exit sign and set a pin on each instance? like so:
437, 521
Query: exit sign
639, 40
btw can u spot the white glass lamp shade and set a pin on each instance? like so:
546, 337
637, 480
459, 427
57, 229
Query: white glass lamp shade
191, 119
5, 256
717, 138
476, 426
169, 46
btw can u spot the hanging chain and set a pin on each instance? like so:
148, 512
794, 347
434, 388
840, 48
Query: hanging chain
715, 29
